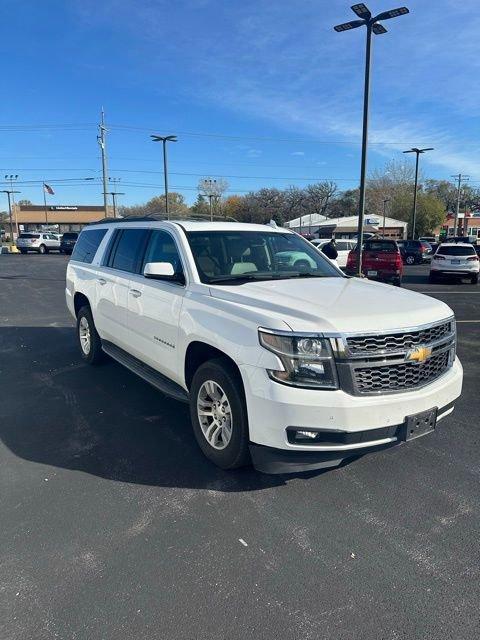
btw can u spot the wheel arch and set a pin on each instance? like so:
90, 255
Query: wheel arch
198, 353
80, 300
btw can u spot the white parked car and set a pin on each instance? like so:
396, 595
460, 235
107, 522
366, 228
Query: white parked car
343, 247
38, 241
290, 367
455, 259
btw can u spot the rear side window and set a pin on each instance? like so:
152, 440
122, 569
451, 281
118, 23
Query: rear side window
70, 236
87, 245
128, 250
30, 236
456, 251
381, 246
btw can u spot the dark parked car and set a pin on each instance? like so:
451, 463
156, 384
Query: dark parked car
415, 251
381, 260
68, 242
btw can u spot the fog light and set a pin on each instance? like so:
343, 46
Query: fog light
306, 434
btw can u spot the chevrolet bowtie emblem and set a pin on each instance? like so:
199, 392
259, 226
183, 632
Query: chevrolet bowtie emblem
419, 354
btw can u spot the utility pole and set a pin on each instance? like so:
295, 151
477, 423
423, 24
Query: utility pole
9, 194
460, 179
114, 194
373, 26
384, 213
102, 141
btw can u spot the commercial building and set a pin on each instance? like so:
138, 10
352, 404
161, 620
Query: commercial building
31, 217
468, 225
321, 227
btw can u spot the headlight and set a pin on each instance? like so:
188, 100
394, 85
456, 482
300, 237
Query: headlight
307, 359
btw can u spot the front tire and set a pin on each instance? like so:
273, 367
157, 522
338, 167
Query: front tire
42, 249
23, 251
410, 260
89, 341
219, 414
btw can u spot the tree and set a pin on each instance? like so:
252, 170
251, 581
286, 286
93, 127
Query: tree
344, 204
317, 196
176, 205
25, 203
200, 206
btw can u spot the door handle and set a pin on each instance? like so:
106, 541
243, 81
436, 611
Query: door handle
135, 293
101, 281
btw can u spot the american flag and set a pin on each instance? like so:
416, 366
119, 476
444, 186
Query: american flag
48, 189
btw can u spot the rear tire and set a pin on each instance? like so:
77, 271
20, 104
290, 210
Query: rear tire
219, 414
42, 249
23, 251
410, 260
397, 282
474, 279
89, 341
432, 278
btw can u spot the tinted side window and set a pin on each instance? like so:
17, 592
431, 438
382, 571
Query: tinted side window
128, 253
162, 248
87, 245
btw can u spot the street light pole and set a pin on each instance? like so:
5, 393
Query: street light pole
460, 178
11, 177
373, 26
384, 213
9, 193
164, 140
417, 152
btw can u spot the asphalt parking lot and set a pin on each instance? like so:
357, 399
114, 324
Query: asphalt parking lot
113, 525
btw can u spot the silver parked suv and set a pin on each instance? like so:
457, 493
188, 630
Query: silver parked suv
40, 242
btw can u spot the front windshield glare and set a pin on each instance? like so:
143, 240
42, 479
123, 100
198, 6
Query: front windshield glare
240, 256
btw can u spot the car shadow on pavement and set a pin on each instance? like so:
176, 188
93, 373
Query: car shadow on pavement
102, 420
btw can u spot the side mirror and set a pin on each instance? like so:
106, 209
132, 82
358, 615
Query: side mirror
163, 271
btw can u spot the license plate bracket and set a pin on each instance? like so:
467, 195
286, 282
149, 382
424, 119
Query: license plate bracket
456, 261
419, 424
372, 273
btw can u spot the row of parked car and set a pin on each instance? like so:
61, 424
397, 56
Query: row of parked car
383, 259
46, 241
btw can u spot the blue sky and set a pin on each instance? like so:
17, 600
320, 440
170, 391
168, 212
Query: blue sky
265, 93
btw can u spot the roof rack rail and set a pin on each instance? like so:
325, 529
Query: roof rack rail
158, 217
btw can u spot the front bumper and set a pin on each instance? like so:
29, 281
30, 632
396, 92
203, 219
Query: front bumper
273, 408
279, 461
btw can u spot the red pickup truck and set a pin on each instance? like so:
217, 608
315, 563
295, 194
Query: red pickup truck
381, 260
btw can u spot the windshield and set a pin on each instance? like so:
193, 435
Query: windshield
456, 251
239, 256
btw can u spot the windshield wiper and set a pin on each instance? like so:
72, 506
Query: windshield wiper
238, 278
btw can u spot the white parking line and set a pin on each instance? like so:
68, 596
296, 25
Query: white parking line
458, 321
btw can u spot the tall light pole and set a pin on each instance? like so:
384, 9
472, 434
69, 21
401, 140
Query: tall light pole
417, 152
460, 179
373, 26
11, 177
385, 213
164, 140
9, 194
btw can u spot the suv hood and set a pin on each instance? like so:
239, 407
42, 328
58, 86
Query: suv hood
346, 305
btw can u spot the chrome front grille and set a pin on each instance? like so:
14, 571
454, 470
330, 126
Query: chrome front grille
400, 377
398, 341
377, 364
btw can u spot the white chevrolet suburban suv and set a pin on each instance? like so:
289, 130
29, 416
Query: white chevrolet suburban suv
284, 360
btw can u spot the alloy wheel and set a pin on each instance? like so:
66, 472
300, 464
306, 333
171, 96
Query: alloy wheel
214, 414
